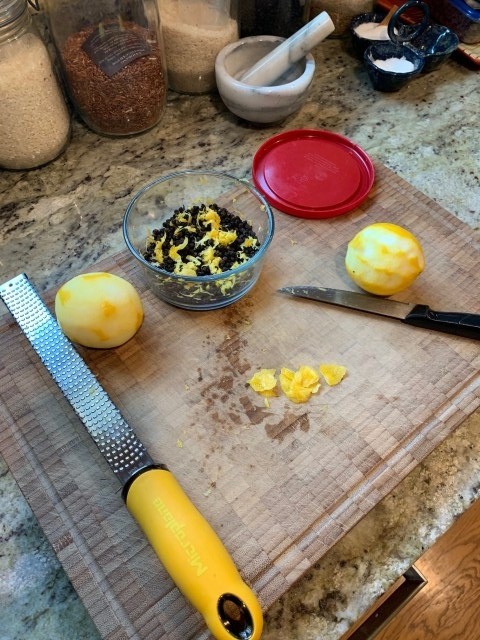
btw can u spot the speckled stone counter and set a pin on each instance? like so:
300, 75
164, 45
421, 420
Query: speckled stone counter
67, 215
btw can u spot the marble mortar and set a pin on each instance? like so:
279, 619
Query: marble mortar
261, 104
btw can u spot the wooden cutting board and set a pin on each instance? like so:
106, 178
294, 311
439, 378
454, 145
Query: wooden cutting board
280, 485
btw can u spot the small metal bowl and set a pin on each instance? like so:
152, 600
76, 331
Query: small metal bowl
156, 203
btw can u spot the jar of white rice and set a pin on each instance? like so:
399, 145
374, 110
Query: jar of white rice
194, 32
34, 119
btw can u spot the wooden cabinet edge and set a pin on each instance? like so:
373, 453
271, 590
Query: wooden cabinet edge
387, 606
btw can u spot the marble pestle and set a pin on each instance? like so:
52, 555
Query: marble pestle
277, 62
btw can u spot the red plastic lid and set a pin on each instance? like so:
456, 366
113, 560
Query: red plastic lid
311, 173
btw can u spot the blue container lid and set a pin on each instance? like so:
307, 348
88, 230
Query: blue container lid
467, 10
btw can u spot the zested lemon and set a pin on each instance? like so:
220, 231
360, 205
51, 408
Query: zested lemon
98, 310
384, 258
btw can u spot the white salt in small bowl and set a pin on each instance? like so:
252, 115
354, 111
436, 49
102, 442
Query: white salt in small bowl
391, 66
261, 104
365, 30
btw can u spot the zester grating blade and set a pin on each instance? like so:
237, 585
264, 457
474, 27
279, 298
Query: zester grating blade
114, 437
188, 547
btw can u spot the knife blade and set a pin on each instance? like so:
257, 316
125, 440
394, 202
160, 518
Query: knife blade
458, 323
186, 544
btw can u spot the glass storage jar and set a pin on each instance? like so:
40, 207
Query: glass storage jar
194, 32
34, 118
273, 17
342, 12
112, 60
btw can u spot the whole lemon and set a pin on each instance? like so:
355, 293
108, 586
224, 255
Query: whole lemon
98, 310
384, 258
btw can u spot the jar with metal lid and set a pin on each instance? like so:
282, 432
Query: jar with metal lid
34, 118
194, 33
112, 60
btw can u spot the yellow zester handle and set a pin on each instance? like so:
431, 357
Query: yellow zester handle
194, 556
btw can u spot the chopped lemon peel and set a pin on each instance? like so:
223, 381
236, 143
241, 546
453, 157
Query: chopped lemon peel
297, 385
333, 373
264, 382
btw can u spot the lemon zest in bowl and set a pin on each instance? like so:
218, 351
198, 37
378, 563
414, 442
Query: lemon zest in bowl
211, 234
174, 249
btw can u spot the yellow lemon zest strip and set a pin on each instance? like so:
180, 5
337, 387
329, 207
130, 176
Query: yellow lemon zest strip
333, 373
264, 383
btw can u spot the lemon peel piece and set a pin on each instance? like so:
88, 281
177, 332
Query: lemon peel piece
299, 385
264, 382
306, 376
333, 373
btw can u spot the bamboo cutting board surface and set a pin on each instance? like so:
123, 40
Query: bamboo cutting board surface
280, 485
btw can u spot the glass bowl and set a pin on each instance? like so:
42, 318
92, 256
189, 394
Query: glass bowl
159, 200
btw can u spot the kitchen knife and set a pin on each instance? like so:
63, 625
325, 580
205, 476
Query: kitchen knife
419, 315
188, 547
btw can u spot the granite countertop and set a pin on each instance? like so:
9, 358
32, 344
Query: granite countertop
61, 218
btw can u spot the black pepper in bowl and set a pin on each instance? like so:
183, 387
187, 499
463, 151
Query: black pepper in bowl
207, 253
201, 241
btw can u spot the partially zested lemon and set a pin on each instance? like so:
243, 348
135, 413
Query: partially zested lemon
384, 258
99, 310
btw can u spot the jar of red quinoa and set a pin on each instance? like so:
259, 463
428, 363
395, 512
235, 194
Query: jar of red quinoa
112, 59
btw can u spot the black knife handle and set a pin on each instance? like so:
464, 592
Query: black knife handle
461, 324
